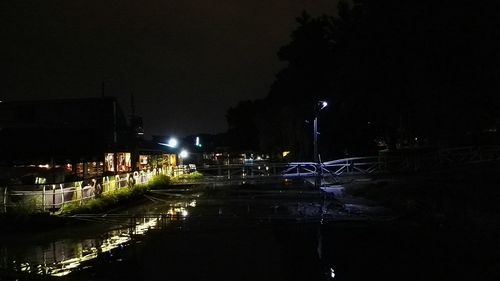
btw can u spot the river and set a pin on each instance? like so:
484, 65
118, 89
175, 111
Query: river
249, 232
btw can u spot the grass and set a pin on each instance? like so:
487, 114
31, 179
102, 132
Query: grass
160, 181
116, 198
186, 177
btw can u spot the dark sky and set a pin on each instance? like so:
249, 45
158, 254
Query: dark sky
185, 61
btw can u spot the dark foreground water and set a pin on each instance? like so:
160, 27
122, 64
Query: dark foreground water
251, 233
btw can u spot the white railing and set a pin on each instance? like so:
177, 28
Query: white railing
354, 165
53, 197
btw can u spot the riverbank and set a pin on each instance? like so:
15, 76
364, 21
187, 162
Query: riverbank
459, 198
20, 220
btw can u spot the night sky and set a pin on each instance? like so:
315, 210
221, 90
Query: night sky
186, 62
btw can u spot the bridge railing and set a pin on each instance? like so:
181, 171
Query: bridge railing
353, 165
247, 170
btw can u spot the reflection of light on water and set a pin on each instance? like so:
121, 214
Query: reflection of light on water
176, 211
180, 208
84, 251
61, 257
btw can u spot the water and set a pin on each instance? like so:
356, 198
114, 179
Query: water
250, 233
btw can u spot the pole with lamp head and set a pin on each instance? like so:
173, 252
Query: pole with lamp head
318, 107
183, 155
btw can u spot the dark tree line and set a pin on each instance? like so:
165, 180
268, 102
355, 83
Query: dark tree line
398, 73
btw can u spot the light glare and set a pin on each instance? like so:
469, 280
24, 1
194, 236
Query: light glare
183, 154
172, 142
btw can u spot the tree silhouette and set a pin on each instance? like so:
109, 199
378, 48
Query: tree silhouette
405, 72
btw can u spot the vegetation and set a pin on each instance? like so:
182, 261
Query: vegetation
190, 176
106, 200
122, 196
394, 72
116, 198
160, 181
27, 205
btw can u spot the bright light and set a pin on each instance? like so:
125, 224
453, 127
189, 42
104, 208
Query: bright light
183, 154
322, 104
172, 142
198, 142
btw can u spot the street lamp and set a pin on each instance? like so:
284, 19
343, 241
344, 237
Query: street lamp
318, 107
182, 155
172, 142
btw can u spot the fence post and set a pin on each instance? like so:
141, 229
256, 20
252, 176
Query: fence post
62, 196
79, 191
53, 198
5, 200
43, 198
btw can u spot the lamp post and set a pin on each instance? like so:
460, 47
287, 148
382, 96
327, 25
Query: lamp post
182, 155
318, 107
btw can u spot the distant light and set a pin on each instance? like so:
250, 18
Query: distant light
332, 273
323, 104
183, 154
172, 142
197, 143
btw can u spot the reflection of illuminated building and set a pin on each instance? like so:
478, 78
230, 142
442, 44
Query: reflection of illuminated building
61, 257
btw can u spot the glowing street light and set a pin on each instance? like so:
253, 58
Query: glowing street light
172, 142
322, 104
183, 155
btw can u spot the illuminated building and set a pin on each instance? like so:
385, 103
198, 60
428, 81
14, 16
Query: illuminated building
69, 139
